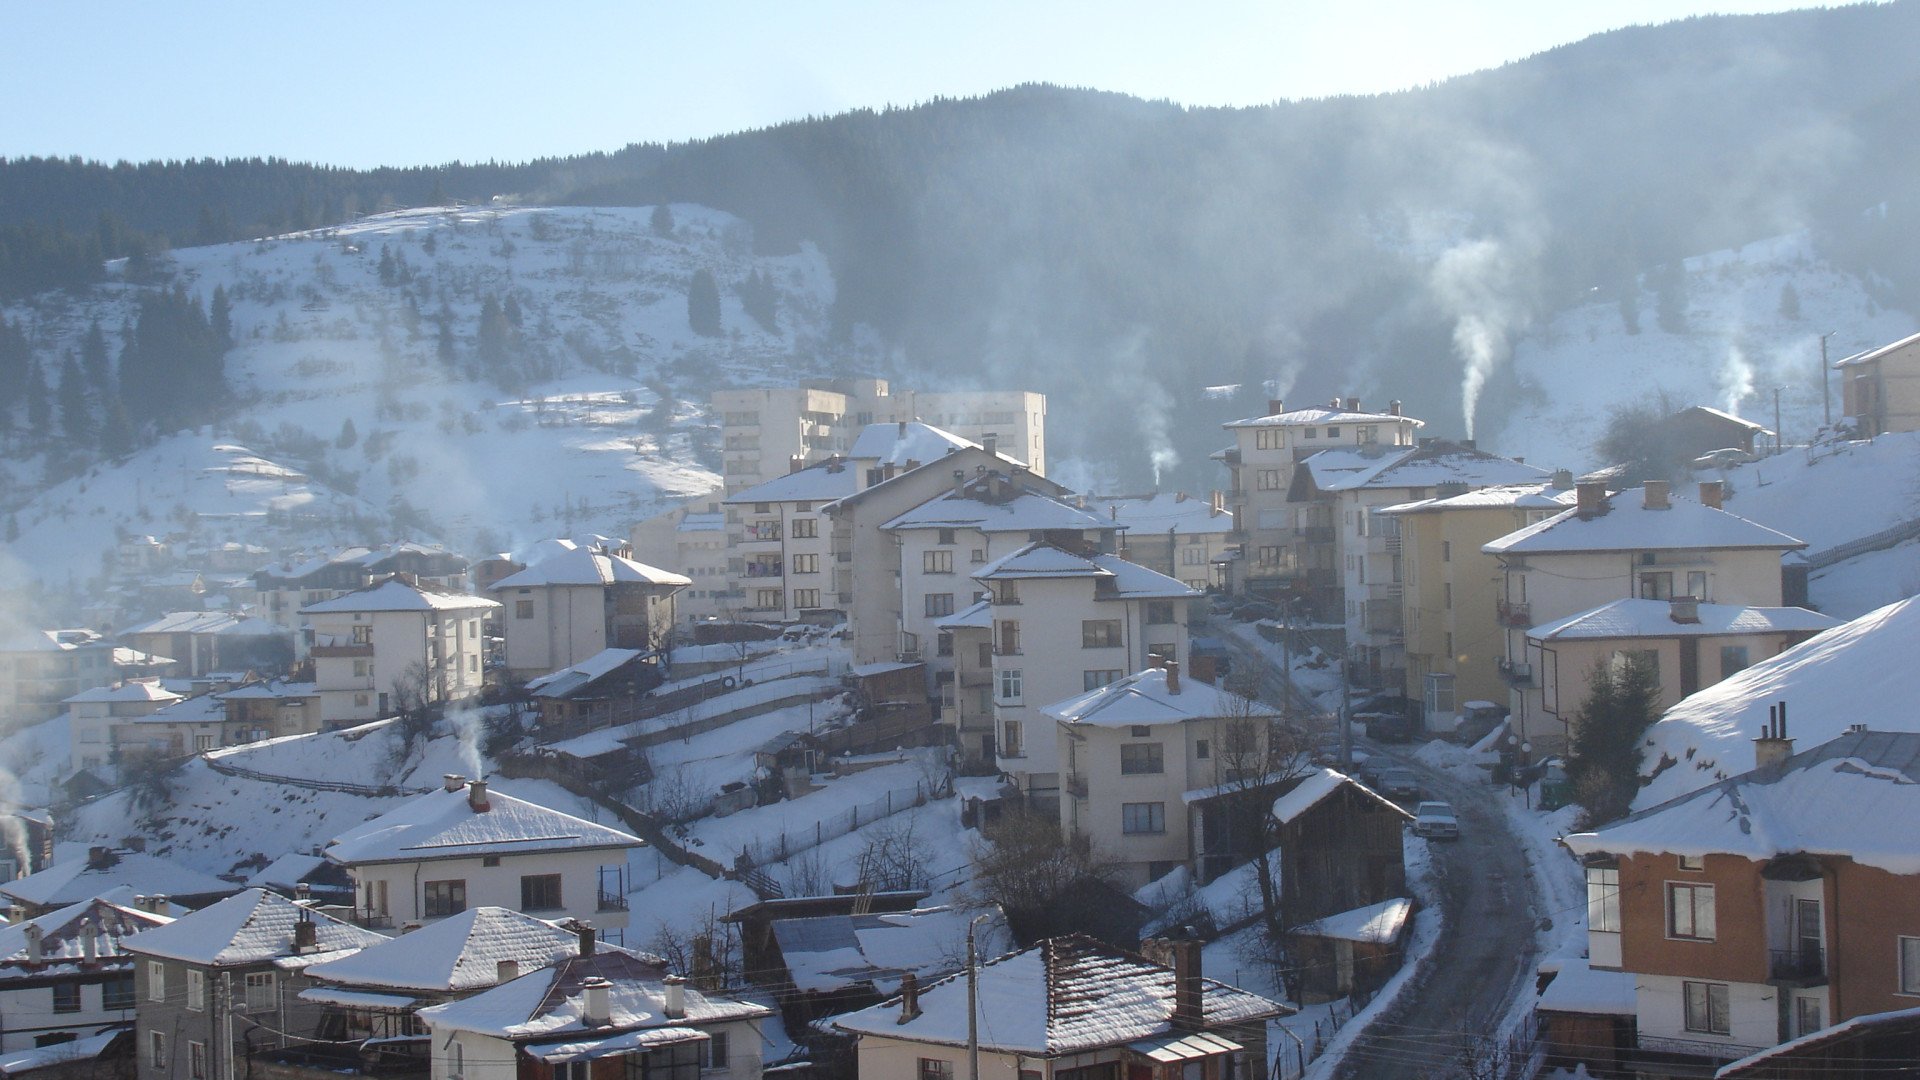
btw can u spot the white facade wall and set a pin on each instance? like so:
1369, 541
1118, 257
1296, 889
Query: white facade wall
783, 573
1660, 1008
1269, 454
1091, 753
30, 1012
549, 627
497, 886
1015, 419
466, 1055
356, 689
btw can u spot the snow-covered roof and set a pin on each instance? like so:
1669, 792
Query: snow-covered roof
456, 954
52, 641
704, 521
1322, 415
1630, 526
1499, 496
62, 929
444, 825
70, 881
1578, 988
272, 689
1861, 672
821, 482
557, 684
131, 690
1900, 1023
1375, 924
581, 566
548, 1004
208, 622
1314, 788
883, 667
251, 927
1160, 511
287, 871
1144, 698
1123, 580
903, 443
396, 595
1029, 511
834, 952
1721, 414
1393, 467
1061, 996
200, 709
1854, 796
1131, 581
975, 616
1876, 352
1654, 619
31, 1059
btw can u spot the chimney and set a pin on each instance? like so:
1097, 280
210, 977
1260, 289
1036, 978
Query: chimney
1656, 496
306, 935
1773, 746
477, 796
1155, 661
1173, 676
452, 781
159, 902
959, 483
901, 431
795, 463
909, 998
1353, 404
585, 930
1276, 406
1469, 444
506, 971
674, 1002
1183, 956
1590, 499
1393, 408
596, 1010
89, 942
1562, 479
34, 934
99, 858
302, 892
990, 442
1684, 609
1712, 493
1216, 503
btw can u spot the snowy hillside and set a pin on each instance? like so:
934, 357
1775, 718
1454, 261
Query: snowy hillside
1736, 344
345, 325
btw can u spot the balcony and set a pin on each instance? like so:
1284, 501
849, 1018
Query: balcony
761, 530
763, 570
611, 902
1514, 614
1077, 785
1314, 534
1804, 966
1517, 675
1237, 497
1658, 1053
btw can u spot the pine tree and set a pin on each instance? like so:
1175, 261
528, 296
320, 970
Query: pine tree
116, 433
1603, 753
761, 300
512, 310
494, 342
662, 220
76, 412
445, 348
388, 275
39, 406
93, 361
348, 436
703, 304
221, 317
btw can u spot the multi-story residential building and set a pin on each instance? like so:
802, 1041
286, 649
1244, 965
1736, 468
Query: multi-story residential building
113, 727
64, 976
765, 432
1181, 536
1286, 547
690, 540
941, 541
1454, 644
203, 642
1765, 906
580, 602
282, 589
1037, 1011
604, 1014
41, 669
1880, 388
1066, 621
1161, 772
970, 635
1641, 543
103, 870
380, 647
93, 714
464, 846
225, 980
1350, 484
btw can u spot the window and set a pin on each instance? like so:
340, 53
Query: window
1333, 431
1697, 584
363, 635
1707, 1008
1603, 899
943, 643
939, 604
1201, 750
1692, 862
1009, 638
1656, 585
55, 1039
362, 668
1269, 556
1006, 592
1807, 1016
1099, 633
523, 609
977, 556
117, 993
681, 1061
445, 898
946, 536
806, 564
1690, 911
935, 1069
806, 528
766, 599
262, 992
985, 657
540, 892
203, 743
936, 562
66, 997
156, 981
1139, 759
1141, 818
1446, 594
573, 1070
1733, 660
157, 1049
1159, 612
196, 989
1010, 745
717, 1050
197, 1060
806, 598
1010, 688
1910, 965
1268, 479
1094, 680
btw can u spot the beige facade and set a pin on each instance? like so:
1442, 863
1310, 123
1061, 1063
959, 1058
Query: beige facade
579, 603
690, 540
1182, 536
1880, 388
375, 647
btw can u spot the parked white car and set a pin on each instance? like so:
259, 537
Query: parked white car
1435, 821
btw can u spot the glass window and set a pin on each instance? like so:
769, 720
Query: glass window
717, 1050
117, 993
946, 536
1656, 585
805, 528
1159, 611
1010, 745
1137, 818
1094, 680
1690, 911
1268, 479
1010, 686
1707, 1011
935, 1069
197, 1060
445, 898
936, 562
681, 1061
157, 1049
1910, 965
806, 598
540, 892
66, 997
1099, 633
1201, 749
1139, 759
1603, 899
939, 604
156, 981
806, 564
196, 989
1733, 660
523, 609
262, 992
1697, 584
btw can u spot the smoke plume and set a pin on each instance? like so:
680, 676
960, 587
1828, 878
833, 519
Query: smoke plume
1474, 282
1734, 379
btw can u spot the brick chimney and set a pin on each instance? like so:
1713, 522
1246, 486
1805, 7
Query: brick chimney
585, 930
1562, 479
1276, 406
1353, 404
99, 858
1183, 956
596, 1010
1155, 661
1590, 499
452, 781
1684, 609
990, 442
306, 934
795, 463
1656, 492
1773, 746
1393, 408
477, 796
1173, 676
909, 998
1713, 493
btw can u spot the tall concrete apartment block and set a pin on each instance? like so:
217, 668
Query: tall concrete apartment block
764, 430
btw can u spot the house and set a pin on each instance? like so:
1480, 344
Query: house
780, 563
1288, 547
606, 1014
1340, 847
574, 604
1347, 485
1642, 543
381, 647
1692, 646
29, 847
1175, 533
828, 964
1880, 388
1071, 1007
1699, 430
970, 632
1354, 952
1765, 906
280, 590
178, 729
64, 976
601, 691
1160, 772
212, 986
1879, 1044
691, 540
201, 642
463, 846
75, 880
41, 669
273, 709
300, 874
1450, 589
1045, 599
92, 715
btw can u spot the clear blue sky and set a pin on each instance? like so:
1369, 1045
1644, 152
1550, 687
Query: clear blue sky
359, 84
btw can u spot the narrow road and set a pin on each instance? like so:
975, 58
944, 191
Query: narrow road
1483, 956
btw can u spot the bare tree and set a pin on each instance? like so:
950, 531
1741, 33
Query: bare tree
892, 860
1254, 753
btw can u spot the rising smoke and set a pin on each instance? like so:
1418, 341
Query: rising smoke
1475, 283
1734, 379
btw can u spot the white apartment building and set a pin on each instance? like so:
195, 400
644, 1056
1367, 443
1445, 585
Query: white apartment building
1180, 535
92, 715
281, 590
375, 646
579, 603
1065, 622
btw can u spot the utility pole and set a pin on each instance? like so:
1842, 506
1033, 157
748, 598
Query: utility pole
1779, 439
1346, 709
1826, 392
973, 1002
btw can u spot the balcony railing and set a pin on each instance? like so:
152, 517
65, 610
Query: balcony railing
612, 902
1663, 1047
1806, 965
763, 570
1514, 614
1315, 534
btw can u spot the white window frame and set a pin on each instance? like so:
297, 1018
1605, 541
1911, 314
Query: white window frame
196, 990
1603, 899
260, 992
156, 981
1009, 686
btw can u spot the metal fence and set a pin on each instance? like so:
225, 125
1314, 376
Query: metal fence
773, 849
